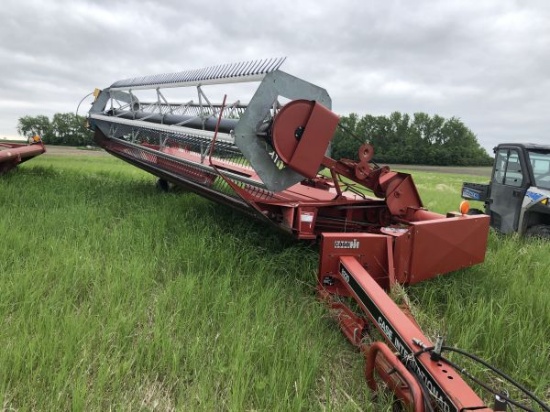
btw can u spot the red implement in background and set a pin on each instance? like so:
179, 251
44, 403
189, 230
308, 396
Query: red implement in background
272, 160
12, 154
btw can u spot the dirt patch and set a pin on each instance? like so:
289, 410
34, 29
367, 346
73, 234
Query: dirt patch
473, 170
476, 171
73, 151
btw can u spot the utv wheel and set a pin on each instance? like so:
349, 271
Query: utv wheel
540, 231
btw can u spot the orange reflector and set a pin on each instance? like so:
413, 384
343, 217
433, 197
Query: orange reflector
464, 207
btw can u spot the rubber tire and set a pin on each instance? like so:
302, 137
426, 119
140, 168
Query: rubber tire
163, 185
473, 212
540, 231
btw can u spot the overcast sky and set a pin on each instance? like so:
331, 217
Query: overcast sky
485, 62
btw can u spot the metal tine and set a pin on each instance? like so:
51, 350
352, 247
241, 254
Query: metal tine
260, 68
239, 69
217, 72
281, 61
214, 73
243, 68
225, 70
180, 77
248, 67
170, 78
273, 66
207, 73
268, 66
198, 75
264, 68
210, 73
221, 71
236, 68
256, 64
189, 76
231, 68
202, 74
147, 79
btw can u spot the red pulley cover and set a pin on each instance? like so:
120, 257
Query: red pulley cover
302, 131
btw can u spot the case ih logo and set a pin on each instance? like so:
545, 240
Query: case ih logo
346, 244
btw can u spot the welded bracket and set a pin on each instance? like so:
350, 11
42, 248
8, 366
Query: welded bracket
256, 149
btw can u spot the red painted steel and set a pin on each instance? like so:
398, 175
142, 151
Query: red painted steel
346, 271
12, 154
373, 228
301, 134
394, 373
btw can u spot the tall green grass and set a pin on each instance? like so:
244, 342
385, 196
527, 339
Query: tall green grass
116, 296
499, 310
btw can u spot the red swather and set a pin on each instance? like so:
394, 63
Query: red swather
273, 162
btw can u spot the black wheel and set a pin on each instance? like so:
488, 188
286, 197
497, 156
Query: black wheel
163, 185
475, 212
540, 231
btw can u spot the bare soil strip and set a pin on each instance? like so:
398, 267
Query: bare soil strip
476, 171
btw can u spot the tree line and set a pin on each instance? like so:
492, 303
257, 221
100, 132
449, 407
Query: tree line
66, 129
397, 138
420, 139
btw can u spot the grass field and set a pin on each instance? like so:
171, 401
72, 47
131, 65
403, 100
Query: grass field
115, 296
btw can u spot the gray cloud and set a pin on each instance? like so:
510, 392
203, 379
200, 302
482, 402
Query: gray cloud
484, 62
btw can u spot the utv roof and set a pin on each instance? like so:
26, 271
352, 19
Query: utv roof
528, 146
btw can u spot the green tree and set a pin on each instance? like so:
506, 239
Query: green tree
344, 144
69, 129
29, 126
422, 139
63, 129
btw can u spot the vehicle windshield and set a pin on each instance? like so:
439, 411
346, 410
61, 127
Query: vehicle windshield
540, 162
